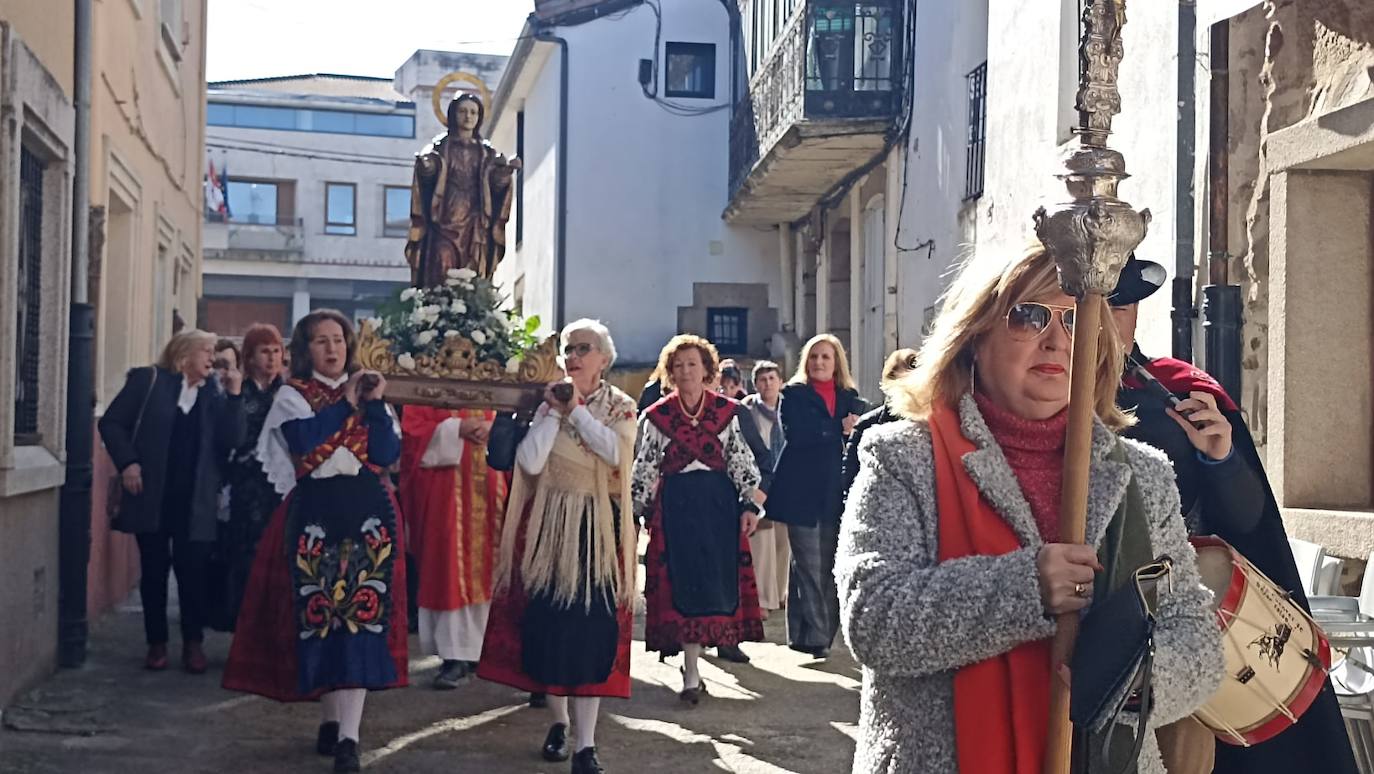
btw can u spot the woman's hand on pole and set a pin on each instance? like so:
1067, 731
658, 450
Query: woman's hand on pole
1066, 576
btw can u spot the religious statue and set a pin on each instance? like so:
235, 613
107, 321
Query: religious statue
460, 200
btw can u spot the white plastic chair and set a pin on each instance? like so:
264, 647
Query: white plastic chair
1329, 576
1367, 588
1308, 557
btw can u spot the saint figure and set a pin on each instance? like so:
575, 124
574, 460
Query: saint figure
459, 201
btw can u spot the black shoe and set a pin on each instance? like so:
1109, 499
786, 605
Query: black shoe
732, 653
451, 675
328, 738
821, 654
585, 762
556, 743
539, 700
472, 667
346, 756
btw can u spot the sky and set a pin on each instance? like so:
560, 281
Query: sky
261, 38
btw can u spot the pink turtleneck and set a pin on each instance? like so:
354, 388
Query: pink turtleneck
1035, 451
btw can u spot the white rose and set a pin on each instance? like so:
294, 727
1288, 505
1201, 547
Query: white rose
478, 336
405, 361
513, 365
450, 334
458, 307
462, 274
451, 282
417, 316
425, 337
409, 293
375, 323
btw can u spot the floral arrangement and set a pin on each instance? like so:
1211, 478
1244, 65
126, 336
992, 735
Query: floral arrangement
420, 322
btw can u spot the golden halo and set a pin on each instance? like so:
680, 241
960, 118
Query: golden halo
444, 82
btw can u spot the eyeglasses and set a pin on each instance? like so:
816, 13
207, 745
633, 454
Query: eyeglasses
580, 350
1028, 320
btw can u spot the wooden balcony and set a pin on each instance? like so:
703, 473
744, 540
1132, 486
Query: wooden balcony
820, 105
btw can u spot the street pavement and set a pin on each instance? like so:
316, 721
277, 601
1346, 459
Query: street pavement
784, 713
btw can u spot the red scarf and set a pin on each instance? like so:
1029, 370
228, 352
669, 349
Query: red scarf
352, 436
825, 389
999, 704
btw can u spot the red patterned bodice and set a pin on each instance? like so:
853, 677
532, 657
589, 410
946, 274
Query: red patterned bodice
693, 442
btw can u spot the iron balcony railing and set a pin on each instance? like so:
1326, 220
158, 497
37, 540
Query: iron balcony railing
831, 60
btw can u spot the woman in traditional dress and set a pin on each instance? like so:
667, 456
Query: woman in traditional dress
950, 568
820, 407
694, 485
562, 616
324, 616
252, 498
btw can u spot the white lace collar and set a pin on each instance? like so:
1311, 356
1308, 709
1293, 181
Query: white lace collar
332, 384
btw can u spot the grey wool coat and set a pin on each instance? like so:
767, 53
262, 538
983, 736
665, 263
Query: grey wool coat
912, 621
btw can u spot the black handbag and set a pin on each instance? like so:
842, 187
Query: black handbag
507, 431
1112, 666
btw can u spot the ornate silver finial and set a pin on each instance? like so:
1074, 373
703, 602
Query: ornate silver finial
1091, 236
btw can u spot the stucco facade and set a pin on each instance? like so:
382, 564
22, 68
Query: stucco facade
646, 249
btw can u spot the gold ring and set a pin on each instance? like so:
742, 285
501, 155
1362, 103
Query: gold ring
1079, 590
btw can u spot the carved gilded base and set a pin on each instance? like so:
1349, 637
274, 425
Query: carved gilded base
454, 378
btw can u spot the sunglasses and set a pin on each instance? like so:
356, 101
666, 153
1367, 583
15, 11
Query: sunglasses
1028, 320
580, 350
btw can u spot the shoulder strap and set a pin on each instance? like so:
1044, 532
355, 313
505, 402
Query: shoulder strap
152, 382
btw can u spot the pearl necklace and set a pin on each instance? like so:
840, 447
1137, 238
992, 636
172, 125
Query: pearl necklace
694, 417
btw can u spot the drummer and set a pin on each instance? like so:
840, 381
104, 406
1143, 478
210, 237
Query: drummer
1224, 492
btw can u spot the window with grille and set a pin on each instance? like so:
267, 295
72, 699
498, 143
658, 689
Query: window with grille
728, 329
691, 70
976, 155
30, 306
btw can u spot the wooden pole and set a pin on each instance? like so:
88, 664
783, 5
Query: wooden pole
1073, 510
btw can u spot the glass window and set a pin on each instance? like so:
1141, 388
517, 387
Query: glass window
691, 70
728, 329
307, 120
396, 211
252, 202
219, 114
339, 201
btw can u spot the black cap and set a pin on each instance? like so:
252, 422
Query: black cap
1139, 280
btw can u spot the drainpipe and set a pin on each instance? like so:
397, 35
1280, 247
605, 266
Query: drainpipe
74, 510
1221, 301
560, 258
1184, 202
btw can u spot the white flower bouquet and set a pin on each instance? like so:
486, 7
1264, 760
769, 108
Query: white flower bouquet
422, 322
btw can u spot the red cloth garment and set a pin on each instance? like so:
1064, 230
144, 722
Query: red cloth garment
665, 629
825, 389
1035, 451
999, 704
1182, 377
453, 514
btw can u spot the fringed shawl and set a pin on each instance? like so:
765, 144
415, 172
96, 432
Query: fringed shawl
575, 483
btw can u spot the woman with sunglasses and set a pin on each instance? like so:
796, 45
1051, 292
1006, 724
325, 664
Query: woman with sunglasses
950, 570
562, 615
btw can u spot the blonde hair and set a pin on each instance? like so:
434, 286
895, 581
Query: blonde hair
180, 347
710, 358
898, 363
974, 305
843, 378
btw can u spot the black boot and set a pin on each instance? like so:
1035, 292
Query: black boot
732, 653
451, 675
556, 743
327, 738
346, 756
585, 762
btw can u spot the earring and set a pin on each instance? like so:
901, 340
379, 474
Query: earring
973, 375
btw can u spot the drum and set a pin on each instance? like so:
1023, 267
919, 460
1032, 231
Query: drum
1277, 658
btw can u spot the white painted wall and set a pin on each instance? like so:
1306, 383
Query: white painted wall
951, 41
1026, 47
646, 188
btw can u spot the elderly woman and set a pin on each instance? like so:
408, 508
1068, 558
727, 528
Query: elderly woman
324, 615
167, 432
252, 498
769, 546
949, 568
694, 485
820, 406
563, 613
